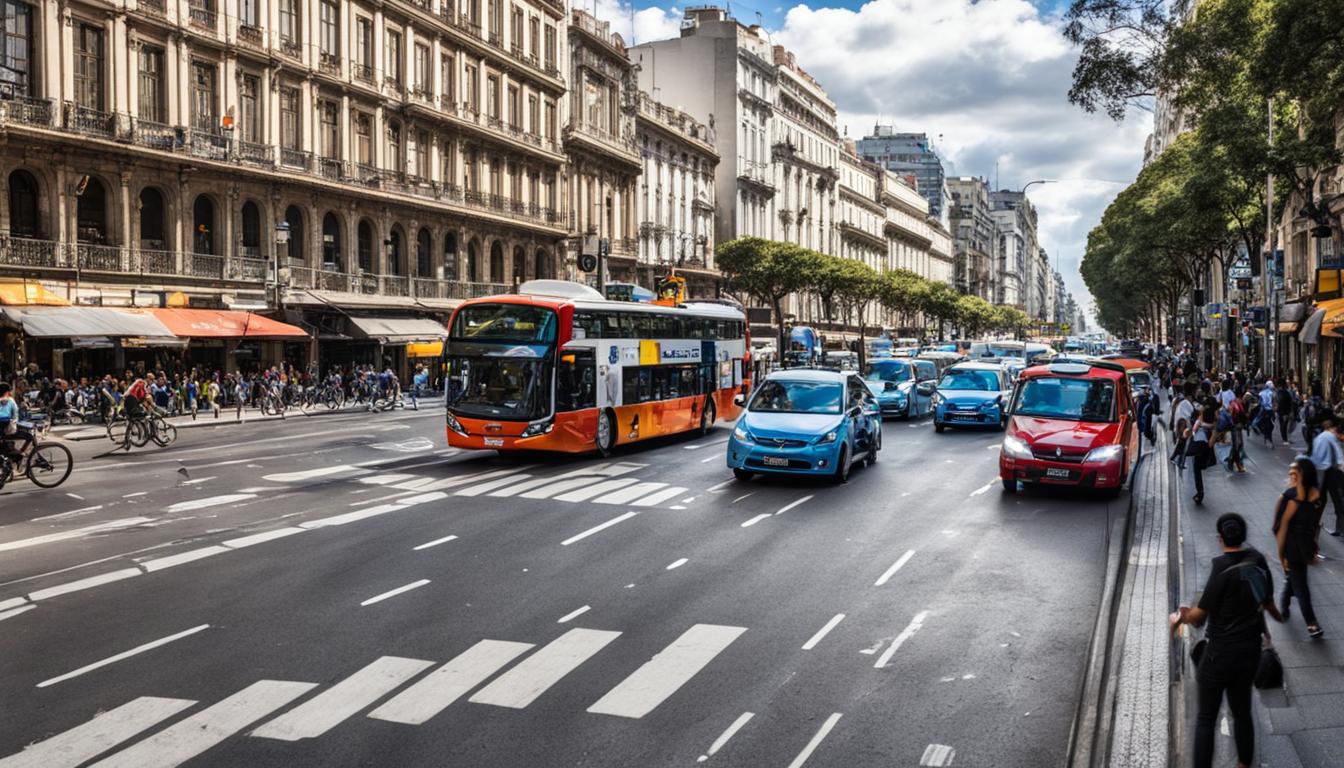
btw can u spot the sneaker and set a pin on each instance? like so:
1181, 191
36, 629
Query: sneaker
1199, 499
1316, 632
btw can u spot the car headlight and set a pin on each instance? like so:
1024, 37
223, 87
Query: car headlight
938, 398
1016, 448
740, 432
1104, 454
990, 405
829, 437
455, 425
538, 428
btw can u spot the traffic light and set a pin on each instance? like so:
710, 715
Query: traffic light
587, 262
1198, 299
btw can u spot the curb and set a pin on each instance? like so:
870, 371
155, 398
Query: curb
72, 434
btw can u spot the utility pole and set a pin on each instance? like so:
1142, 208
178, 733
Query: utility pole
1271, 299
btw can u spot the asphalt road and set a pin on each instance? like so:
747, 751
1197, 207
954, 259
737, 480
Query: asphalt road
346, 591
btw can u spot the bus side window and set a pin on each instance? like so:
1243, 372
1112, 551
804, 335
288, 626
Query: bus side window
576, 381
709, 382
689, 381
630, 385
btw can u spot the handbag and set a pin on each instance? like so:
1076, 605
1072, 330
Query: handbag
1270, 672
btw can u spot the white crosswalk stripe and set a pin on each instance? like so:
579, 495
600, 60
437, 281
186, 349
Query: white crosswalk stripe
448, 683
490, 485
188, 738
522, 685
325, 710
660, 677
596, 489
627, 495
568, 484
100, 734
658, 498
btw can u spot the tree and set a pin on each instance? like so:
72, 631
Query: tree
939, 302
1120, 45
859, 289
900, 293
768, 270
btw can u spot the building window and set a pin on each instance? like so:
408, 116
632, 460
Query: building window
394, 161
446, 77
516, 40
535, 28
550, 120
421, 168
330, 114
330, 19
289, 21
550, 48
203, 97
515, 108
364, 41
251, 117
496, 19
492, 96
89, 66
151, 106
447, 155
248, 13
289, 118
363, 139
533, 116
422, 68
472, 169
595, 104
470, 91
496, 178
16, 49
394, 57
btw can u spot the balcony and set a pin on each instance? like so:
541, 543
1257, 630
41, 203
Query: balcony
332, 168
364, 74
157, 8
291, 48
308, 278
751, 99
329, 64
202, 17
260, 155
295, 158
606, 140
148, 133
209, 145
469, 25
25, 110
99, 258
251, 36
31, 253
135, 263
90, 122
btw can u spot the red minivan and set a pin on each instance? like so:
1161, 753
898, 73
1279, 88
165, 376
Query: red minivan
1070, 424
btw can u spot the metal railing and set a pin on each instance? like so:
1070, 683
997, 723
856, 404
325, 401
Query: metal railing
30, 252
390, 285
296, 158
209, 145
92, 122
26, 110
329, 64
148, 133
363, 73
99, 258
251, 35
256, 154
151, 262
203, 17
333, 168
206, 265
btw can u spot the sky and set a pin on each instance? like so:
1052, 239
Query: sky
986, 79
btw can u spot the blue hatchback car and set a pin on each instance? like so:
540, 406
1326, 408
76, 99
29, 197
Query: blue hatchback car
971, 395
806, 422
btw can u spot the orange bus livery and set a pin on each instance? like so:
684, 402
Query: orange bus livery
557, 367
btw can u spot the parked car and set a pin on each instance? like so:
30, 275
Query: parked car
806, 422
1070, 424
942, 360
903, 387
971, 395
1014, 366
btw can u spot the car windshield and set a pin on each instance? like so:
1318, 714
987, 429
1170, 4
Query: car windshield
510, 388
1050, 397
980, 381
785, 396
896, 372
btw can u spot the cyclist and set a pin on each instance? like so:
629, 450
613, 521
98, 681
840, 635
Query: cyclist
419, 384
10, 431
136, 403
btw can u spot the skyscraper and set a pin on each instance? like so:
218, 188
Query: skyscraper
907, 154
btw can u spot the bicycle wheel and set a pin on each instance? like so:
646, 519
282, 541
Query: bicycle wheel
139, 433
49, 465
116, 430
163, 433
6, 470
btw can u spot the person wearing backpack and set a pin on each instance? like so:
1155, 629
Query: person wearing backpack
1240, 590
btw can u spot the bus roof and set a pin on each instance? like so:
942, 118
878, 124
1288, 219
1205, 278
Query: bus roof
590, 301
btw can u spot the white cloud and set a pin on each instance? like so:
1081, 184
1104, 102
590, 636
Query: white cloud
644, 25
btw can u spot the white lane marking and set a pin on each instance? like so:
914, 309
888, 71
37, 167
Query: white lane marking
708, 459
522, 685
663, 675
188, 738
691, 447
985, 488
743, 496
688, 500
382, 509
596, 489
312, 474
209, 501
258, 538
629, 494
719, 488
440, 688
377, 499
86, 583
756, 519
731, 731
197, 481
907, 633
937, 756
15, 612
122, 656
1222, 726
104, 731
659, 497
12, 602
76, 533
949, 461
72, 513
573, 615
793, 504
816, 741
676, 564
489, 485
558, 487
434, 543
913, 426
994, 447
159, 563
598, 528
75, 496
395, 592
886, 576
137, 493
676, 506
387, 478
821, 633
326, 710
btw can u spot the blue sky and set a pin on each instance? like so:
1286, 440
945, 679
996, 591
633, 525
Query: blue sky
986, 79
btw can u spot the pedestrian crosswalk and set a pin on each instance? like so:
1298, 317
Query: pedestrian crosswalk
522, 673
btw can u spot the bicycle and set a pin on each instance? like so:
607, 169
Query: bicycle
160, 431
47, 465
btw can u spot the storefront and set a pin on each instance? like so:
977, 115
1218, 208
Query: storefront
76, 342
233, 340
398, 341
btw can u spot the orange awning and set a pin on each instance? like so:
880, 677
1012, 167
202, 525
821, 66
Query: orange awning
28, 293
222, 324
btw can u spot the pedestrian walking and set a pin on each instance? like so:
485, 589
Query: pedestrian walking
1239, 591
1296, 522
1286, 403
1265, 423
1327, 456
1181, 414
1199, 445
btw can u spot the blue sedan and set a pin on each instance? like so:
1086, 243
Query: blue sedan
806, 422
970, 395
901, 386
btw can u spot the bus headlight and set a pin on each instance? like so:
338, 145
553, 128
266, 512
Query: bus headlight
455, 425
538, 428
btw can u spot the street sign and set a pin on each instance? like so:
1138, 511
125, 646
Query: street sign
1240, 271
1243, 283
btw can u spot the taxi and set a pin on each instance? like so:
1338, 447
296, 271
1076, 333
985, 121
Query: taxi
1070, 424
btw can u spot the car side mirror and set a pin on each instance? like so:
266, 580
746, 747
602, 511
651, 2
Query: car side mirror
926, 388
855, 412
739, 400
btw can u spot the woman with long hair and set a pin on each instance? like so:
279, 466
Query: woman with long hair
1296, 520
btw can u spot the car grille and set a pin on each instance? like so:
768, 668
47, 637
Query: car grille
780, 442
1066, 455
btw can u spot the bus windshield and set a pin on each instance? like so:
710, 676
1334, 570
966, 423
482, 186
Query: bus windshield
517, 323
511, 388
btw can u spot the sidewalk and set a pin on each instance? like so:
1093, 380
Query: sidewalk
1301, 724
229, 417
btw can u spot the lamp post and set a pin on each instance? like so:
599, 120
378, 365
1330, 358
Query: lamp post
281, 244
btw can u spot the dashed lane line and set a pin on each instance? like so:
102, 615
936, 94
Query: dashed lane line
728, 733
821, 633
914, 626
573, 615
394, 592
793, 504
598, 528
819, 737
886, 576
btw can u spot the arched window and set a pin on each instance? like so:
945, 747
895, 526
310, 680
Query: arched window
424, 258
364, 246
25, 216
450, 255
203, 225
395, 246
294, 218
496, 262
251, 215
331, 242
151, 219
91, 213
542, 267
473, 262
519, 263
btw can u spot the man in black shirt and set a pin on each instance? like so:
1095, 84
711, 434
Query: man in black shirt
1239, 590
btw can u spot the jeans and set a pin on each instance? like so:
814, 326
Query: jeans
1238, 444
1178, 453
1285, 422
1199, 456
1228, 671
1333, 485
1296, 586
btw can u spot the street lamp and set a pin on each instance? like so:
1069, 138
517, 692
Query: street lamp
281, 242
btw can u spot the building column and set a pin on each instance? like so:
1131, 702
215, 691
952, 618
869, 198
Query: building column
346, 152
124, 177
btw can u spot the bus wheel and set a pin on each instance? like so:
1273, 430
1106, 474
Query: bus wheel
707, 415
606, 432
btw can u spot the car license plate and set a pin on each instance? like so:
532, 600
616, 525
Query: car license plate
1057, 472
494, 442
775, 461
963, 417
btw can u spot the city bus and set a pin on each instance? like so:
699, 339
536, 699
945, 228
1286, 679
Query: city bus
557, 367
